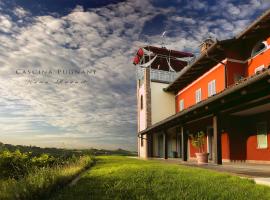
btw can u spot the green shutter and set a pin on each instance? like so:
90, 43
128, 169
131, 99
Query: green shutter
262, 135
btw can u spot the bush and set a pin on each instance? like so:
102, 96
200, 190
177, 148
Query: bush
17, 165
14, 164
41, 182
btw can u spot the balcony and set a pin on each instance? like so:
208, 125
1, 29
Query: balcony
157, 75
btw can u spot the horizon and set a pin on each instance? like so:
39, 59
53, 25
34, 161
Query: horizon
64, 148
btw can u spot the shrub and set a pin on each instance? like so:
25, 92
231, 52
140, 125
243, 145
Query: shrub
42, 182
17, 165
197, 141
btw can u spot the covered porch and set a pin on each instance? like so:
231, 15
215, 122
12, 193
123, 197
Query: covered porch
227, 119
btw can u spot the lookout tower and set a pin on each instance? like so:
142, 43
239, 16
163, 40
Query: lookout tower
156, 68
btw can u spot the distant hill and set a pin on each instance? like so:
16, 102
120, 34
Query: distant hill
61, 151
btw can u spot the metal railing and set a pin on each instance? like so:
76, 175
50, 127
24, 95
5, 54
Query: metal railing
164, 76
157, 75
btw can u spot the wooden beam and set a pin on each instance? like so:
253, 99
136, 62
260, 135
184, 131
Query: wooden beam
217, 157
184, 141
247, 105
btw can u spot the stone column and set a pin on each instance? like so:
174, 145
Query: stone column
148, 117
147, 86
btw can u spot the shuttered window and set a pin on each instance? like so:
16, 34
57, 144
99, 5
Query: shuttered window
211, 88
198, 95
181, 106
262, 142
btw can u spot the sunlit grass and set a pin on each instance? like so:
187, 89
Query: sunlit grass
42, 182
128, 178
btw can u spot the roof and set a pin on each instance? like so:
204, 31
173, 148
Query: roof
239, 86
168, 52
177, 59
258, 27
216, 52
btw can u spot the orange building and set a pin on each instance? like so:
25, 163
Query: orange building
224, 93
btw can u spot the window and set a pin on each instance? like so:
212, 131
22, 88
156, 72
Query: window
198, 95
258, 48
211, 88
262, 142
260, 68
141, 102
181, 104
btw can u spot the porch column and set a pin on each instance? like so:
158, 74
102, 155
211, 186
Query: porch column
217, 157
184, 140
165, 144
150, 145
178, 145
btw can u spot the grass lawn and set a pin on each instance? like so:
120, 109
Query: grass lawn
128, 178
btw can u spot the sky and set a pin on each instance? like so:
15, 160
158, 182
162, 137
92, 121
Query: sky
97, 35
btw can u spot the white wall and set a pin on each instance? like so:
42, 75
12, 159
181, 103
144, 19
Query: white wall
142, 121
162, 106
143, 149
163, 103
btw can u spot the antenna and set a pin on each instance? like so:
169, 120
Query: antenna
163, 39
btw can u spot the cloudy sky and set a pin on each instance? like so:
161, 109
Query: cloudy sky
94, 34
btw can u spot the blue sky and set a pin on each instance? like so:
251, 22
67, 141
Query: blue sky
101, 35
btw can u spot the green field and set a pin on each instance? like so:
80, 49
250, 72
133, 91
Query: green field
36, 175
30, 173
127, 178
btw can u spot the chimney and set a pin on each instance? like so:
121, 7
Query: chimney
206, 44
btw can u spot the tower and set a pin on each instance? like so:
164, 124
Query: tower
156, 69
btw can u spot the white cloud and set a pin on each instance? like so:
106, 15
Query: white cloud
102, 112
105, 107
20, 12
5, 23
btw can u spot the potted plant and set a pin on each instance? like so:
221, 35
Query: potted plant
197, 141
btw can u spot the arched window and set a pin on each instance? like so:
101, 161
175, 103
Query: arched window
258, 48
141, 102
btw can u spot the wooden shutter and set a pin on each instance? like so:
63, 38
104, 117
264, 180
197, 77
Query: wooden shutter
181, 104
213, 87
209, 89
198, 95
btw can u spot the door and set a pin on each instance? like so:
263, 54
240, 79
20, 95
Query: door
210, 139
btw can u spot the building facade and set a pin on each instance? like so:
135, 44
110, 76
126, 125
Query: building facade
225, 92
